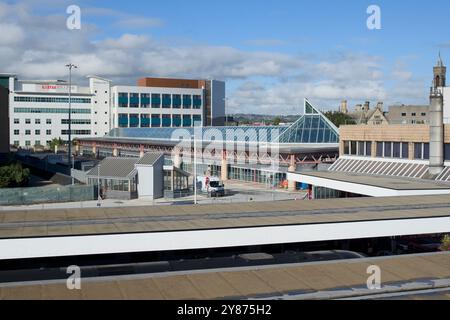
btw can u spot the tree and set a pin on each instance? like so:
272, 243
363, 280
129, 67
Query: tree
13, 175
339, 118
277, 121
445, 243
56, 142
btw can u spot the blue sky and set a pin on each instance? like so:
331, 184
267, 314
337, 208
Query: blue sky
271, 53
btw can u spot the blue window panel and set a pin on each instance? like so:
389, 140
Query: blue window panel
197, 103
176, 122
187, 122
134, 121
187, 102
196, 119
166, 122
134, 100
145, 122
123, 120
156, 122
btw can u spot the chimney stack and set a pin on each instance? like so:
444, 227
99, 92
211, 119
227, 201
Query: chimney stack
436, 132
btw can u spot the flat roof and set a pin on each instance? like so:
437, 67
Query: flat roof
319, 280
388, 182
117, 221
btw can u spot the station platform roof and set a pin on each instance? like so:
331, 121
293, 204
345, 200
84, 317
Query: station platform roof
371, 185
69, 232
318, 280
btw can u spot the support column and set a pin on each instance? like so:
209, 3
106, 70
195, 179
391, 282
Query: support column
115, 151
374, 149
177, 161
224, 167
292, 185
94, 150
141, 151
411, 150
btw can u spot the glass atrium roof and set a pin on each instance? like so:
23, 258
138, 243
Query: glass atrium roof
312, 127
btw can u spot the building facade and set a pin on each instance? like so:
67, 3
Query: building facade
4, 115
39, 110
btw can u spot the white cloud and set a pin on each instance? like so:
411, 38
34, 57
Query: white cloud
270, 82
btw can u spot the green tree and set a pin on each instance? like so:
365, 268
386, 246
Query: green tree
277, 121
339, 118
13, 175
56, 142
445, 243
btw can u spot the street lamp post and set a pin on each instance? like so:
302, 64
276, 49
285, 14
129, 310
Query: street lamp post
99, 196
70, 66
195, 169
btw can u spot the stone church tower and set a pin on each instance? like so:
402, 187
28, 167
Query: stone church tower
439, 74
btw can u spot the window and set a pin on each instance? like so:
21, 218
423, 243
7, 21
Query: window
16, 121
156, 101
418, 152
16, 132
361, 148
123, 100
397, 150
388, 149
379, 149
156, 120
77, 132
51, 110
353, 145
346, 147
123, 120
27, 121
134, 120
405, 150
368, 149
145, 100
76, 121
37, 132
37, 143
176, 120
197, 101
134, 100
28, 143
426, 151
187, 101
51, 100
49, 121
166, 120
16, 143
176, 101
37, 121
49, 132
166, 101
49, 142
28, 132
423, 114
447, 151
413, 114
404, 114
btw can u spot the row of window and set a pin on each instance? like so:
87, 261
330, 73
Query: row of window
388, 149
49, 121
48, 132
414, 114
28, 143
51, 110
156, 120
167, 101
51, 100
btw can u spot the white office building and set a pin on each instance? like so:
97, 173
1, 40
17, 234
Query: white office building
39, 110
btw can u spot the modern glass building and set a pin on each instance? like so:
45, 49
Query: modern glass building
261, 154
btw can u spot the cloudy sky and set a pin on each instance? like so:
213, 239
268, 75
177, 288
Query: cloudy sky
271, 53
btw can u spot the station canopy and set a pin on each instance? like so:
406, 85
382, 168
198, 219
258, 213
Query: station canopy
311, 128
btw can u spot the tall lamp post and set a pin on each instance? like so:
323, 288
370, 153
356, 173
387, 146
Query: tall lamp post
195, 169
70, 66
